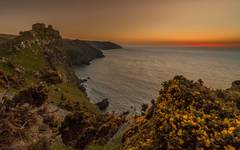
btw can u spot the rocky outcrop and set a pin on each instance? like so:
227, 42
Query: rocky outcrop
102, 105
104, 45
80, 52
40, 35
236, 84
52, 77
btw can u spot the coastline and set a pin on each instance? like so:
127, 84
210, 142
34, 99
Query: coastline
41, 99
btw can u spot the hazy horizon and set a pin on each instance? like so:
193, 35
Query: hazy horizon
129, 22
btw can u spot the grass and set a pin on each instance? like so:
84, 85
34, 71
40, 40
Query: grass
59, 146
28, 59
116, 143
33, 61
72, 94
5, 67
95, 147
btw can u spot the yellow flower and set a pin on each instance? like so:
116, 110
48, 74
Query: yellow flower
185, 117
180, 132
230, 130
224, 132
181, 141
226, 121
207, 142
139, 119
229, 147
174, 126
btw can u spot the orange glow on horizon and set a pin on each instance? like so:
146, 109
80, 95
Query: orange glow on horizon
208, 45
130, 22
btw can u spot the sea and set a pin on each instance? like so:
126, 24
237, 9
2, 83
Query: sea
133, 76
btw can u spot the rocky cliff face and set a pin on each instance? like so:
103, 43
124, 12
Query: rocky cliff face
40, 35
80, 52
104, 45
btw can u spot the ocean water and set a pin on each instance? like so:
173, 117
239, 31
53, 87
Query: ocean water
132, 76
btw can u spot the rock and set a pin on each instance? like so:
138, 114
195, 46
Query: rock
238, 103
236, 83
38, 27
144, 108
82, 87
103, 104
83, 80
52, 77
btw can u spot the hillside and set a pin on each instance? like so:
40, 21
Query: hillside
78, 52
42, 104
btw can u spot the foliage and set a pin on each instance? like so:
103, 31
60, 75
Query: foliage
187, 115
81, 129
35, 95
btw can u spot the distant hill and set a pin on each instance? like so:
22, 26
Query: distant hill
5, 37
80, 52
104, 45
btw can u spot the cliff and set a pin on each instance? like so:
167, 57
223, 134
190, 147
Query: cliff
102, 45
83, 52
80, 52
42, 104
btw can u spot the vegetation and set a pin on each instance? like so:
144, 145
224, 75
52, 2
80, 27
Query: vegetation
81, 129
187, 115
43, 106
38, 89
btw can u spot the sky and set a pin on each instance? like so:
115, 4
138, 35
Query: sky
128, 21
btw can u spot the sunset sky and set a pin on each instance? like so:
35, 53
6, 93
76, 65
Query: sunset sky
128, 21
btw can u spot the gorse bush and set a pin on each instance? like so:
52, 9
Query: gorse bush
187, 115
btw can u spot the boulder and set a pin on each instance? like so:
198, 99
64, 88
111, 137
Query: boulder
103, 104
236, 83
144, 108
52, 77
